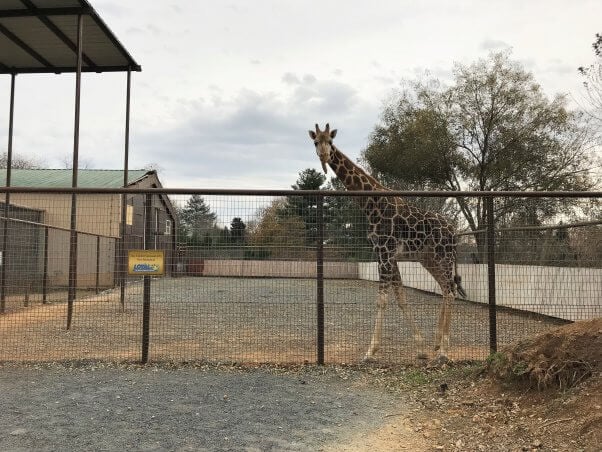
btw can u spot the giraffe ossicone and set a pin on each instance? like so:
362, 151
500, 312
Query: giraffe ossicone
396, 228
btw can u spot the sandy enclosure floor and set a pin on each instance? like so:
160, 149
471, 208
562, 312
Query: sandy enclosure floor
244, 320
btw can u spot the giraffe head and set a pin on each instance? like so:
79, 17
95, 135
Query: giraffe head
323, 142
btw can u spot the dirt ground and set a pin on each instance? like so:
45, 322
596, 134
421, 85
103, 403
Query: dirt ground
541, 393
457, 407
245, 320
302, 409
207, 387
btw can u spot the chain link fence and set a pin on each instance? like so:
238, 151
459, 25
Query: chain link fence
279, 276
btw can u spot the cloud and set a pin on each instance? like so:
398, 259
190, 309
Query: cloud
309, 79
290, 79
254, 136
493, 44
559, 67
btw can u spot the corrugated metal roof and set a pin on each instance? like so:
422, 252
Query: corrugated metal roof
61, 178
40, 36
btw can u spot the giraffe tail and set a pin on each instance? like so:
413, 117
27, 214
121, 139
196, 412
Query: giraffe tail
459, 288
458, 279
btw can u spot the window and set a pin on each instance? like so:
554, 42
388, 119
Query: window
129, 215
167, 227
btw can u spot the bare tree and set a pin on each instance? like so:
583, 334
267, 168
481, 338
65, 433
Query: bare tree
19, 162
493, 129
593, 81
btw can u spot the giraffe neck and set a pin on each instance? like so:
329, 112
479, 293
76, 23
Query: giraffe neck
352, 176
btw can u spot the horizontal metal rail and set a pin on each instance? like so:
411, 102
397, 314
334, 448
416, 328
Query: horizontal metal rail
57, 228
326, 193
536, 228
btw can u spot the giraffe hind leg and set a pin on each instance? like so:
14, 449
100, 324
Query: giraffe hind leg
442, 339
444, 278
381, 305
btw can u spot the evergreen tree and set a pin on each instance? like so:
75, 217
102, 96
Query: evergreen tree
347, 225
196, 221
305, 207
238, 231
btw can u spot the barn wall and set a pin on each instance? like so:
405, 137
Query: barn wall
58, 260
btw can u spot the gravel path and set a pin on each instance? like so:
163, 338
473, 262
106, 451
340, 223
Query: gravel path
96, 407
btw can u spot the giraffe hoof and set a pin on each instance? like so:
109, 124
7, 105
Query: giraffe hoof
368, 359
440, 361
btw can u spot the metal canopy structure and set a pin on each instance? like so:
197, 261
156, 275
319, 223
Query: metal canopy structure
55, 36
40, 36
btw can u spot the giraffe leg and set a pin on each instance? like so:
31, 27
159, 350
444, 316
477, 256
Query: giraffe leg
381, 305
399, 292
442, 341
443, 273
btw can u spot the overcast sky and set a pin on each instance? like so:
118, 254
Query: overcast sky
228, 89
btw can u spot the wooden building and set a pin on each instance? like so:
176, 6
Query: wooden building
98, 222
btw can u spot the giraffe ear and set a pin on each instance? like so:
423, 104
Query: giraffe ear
333, 133
312, 135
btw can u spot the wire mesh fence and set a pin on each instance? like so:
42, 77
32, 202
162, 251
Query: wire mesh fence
286, 277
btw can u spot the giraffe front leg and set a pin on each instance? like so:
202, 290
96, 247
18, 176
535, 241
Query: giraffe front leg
416, 334
381, 305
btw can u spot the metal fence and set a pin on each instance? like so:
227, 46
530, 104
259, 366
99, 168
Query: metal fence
282, 276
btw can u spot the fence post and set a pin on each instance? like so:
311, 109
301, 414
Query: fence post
72, 291
122, 261
9, 157
3, 255
45, 271
147, 279
320, 278
72, 280
491, 275
97, 264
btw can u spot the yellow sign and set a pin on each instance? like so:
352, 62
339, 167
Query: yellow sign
146, 262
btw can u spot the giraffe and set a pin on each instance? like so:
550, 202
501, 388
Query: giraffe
396, 228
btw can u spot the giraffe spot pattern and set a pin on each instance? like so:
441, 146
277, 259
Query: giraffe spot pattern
398, 225
395, 225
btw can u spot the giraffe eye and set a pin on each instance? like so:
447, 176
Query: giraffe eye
315, 143
330, 142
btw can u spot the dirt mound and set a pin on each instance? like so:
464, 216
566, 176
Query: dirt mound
561, 357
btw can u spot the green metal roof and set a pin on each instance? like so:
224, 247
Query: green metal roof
61, 178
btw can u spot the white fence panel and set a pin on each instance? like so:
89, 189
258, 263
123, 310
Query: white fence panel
563, 292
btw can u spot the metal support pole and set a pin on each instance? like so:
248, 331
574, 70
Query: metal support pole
45, 271
491, 275
97, 264
73, 242
320, 279
148, 244
9, 163
122, 264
